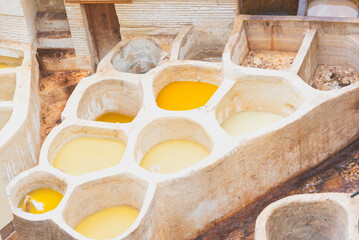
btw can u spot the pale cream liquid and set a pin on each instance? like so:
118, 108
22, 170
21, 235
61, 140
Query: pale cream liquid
173, 156
84, 155
108, 223
249, 121
332, 8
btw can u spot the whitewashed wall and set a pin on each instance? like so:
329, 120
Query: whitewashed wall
173, 13
17, 20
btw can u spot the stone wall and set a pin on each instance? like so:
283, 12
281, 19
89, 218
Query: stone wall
17, 20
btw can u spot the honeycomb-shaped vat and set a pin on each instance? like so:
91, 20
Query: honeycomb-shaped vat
201, 43
332, 216
238, 170
19, 109
136, 55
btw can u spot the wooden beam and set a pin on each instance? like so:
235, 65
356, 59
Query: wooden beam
103, 27
98, 1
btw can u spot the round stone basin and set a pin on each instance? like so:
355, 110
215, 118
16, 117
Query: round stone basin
251, 105
169, 145
138, 56
315, 221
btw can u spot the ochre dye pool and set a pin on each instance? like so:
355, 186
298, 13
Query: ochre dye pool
84, 155
185, 95
114, 118
249, 121
173, 156
40, 201
108, 223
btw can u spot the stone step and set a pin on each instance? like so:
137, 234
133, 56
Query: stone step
52, 21
54, 40
52, 60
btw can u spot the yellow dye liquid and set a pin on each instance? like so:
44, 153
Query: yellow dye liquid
185, 95
84, 155
173, 156
3, 65
40, 201
108, 223
115, 118
249, 121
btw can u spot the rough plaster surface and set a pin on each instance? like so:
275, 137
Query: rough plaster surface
17, 20
239, 170
5, 209
199, 42
137, 56
329, 216
19, 137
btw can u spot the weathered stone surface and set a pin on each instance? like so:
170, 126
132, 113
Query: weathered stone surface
238, 171
19, 137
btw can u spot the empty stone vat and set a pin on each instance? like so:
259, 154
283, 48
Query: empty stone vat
19, 109
330, 216
136, 56
201, 42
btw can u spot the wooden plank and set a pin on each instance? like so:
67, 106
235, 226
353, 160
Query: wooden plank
98, 1
103, 26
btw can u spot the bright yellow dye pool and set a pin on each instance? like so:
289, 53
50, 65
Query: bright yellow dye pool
185, 95
115, 118
84, 155
249, 121
108, 223
3, 65
40, 201
173, 156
